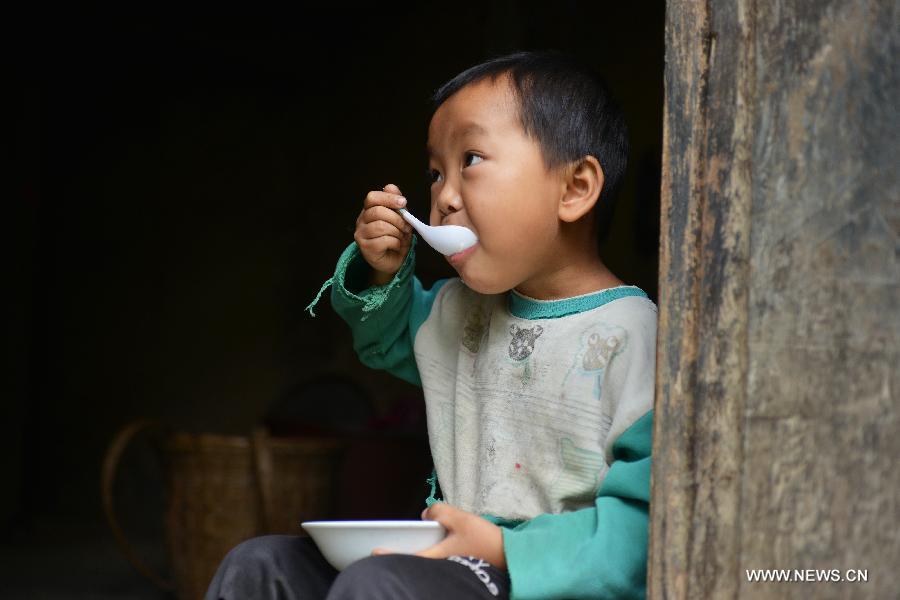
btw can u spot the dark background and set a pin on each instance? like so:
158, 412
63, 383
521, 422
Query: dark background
180, 186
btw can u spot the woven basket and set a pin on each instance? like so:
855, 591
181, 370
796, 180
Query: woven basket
225, 489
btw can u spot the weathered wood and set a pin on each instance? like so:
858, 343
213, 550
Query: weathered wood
703, 297
776, 427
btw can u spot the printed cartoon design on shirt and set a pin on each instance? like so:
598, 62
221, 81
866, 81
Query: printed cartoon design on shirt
600, 343
599, 351
522, 344
579, 478
475, 328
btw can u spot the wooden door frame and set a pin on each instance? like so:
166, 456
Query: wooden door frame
776, 427
702, 343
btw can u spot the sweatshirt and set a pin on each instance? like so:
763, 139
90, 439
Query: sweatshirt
539, 416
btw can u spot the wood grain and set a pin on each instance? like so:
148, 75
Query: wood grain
776, 430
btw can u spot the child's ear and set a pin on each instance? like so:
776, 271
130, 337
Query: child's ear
583, 182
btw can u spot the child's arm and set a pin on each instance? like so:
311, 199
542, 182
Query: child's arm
383, 319
594, 553
600, 551
597, 552
374, 289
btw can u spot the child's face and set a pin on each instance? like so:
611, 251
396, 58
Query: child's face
489, 176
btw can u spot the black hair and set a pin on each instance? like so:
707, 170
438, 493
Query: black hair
566, 107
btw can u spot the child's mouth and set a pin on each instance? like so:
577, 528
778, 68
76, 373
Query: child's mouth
456, 259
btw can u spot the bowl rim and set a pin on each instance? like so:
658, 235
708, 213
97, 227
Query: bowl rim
395, 524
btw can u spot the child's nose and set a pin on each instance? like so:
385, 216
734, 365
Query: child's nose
448, 202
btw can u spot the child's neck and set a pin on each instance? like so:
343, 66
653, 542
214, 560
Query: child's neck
575, 275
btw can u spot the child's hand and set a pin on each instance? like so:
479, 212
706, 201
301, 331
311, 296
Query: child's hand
381, 233
467, 535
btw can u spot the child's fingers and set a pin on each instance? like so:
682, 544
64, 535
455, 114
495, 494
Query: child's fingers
379, 245
375, 198
376, 229
441, 512
445, 515
442, 549
382, 235
382, 213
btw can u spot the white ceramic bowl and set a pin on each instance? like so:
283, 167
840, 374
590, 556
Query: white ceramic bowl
344, 542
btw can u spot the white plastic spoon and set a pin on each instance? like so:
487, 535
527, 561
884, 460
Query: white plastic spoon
446, 239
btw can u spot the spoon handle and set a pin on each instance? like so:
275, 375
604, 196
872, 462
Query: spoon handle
409, 218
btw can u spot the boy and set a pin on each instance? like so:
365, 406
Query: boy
537, 363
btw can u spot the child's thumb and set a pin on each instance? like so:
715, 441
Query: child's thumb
392, 189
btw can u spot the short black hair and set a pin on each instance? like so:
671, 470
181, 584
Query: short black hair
566, 107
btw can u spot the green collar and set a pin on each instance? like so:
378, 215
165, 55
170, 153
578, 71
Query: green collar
526, 307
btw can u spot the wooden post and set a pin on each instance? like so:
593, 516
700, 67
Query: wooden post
776, 430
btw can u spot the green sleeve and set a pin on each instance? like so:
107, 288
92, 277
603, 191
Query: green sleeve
597, 552
383, 319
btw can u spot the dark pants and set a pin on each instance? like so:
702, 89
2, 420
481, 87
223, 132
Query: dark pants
287, 567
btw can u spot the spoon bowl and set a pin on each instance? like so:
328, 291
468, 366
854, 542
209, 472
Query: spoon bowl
446, 239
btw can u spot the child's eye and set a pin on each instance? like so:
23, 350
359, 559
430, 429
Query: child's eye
471, 159
432, 176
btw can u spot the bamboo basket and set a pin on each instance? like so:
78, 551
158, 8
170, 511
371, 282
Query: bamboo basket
226, 489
